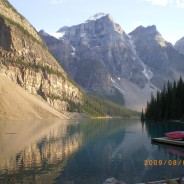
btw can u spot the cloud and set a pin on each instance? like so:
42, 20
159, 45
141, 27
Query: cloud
180, 3
160, 2
56, 1
176, 3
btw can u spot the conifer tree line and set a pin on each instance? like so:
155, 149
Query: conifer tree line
167, 104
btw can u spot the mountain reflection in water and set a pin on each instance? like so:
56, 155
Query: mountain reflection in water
87, 152
37, 152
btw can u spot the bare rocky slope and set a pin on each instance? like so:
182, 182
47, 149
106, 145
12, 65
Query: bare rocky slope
16, 103
26, 61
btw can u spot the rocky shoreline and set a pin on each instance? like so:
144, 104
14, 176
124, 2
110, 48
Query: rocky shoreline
167, 181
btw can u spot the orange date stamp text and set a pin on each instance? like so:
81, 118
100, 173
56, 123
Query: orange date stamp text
163, 162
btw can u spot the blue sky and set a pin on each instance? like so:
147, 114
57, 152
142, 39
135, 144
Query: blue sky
51, 15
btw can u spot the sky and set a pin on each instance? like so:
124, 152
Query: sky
51, 15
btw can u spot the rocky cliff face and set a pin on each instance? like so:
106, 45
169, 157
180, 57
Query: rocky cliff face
159, 55
10, 13
96, 52
26, 61
100, 56
179, 45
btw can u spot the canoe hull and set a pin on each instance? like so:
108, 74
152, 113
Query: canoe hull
175, 135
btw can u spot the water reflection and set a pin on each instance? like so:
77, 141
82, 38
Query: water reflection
158, 129
88, 151
35, 150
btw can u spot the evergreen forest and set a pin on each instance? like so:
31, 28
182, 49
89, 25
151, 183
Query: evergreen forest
168, 104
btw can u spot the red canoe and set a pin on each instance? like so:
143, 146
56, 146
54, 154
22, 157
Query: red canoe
175, 135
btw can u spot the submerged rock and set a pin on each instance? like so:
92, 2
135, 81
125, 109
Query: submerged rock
172, 182
113, 181
182, 180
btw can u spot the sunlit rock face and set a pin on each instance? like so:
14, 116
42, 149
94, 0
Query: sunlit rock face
25, 59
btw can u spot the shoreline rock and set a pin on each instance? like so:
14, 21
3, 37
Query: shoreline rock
113, 181
167, 181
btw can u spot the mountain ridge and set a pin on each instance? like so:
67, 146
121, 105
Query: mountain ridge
122, 58
10, 13
26, 62
157, 54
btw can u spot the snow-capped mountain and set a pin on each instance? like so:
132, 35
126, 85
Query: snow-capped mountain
96, 16
100, 56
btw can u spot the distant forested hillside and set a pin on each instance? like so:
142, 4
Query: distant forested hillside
94, 106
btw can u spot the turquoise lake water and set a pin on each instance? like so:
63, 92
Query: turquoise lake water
87, 152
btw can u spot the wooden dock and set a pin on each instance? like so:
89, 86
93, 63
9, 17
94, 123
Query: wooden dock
165, 140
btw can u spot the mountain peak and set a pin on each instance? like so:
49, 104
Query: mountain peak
153, 27
141, 28
97, 16
149, 33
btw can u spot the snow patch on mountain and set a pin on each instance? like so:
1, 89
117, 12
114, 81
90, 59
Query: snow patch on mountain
112, 80
83, 35
116, 85
58, 35
146, 71
73, 48
96, 17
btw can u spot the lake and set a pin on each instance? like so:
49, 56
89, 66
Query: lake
86, 151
